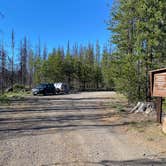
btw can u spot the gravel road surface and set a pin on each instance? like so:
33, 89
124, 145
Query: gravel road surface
67, 130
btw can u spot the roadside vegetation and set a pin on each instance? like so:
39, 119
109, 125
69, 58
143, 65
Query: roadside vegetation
164, 106
18, 92
4, 99
138, 33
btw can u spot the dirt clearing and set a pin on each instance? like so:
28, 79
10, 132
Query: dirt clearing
91, 128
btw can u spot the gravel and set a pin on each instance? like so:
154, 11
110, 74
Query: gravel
66, 130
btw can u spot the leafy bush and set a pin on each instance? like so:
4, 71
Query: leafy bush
18, 88
4, 99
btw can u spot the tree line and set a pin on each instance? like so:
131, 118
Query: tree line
82, 67
138, 32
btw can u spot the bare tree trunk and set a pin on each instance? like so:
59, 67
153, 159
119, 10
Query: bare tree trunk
12, 62
3, 66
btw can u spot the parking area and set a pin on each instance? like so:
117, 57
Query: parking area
74, 129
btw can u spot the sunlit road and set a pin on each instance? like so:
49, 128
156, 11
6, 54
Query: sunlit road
66, 130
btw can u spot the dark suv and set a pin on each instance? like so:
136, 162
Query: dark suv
44, 89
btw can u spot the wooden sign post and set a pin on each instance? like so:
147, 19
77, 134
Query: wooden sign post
158, 89
159, 109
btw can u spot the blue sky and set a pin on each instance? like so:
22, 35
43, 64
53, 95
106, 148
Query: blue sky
55, 21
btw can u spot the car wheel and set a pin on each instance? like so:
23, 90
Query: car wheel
44, 93
58, 91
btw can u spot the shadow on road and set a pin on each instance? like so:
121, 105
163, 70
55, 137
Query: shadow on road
46, 115
45, 98
137, 162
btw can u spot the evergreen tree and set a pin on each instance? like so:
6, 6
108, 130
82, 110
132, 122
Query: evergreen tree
68, 66
139, 39
45, 53
97, 67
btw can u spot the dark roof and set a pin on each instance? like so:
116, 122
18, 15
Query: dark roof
158, 70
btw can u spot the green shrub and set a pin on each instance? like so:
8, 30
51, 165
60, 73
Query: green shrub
18, 88
4, 99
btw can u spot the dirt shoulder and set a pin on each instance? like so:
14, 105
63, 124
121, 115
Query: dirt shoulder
140, 128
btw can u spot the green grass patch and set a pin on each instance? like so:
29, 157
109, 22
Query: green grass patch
17, 95
9, 96
119, 103
120, 107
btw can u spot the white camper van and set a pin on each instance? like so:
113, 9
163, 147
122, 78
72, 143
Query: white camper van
61, 87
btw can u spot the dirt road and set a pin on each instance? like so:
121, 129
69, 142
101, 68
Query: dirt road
68, 130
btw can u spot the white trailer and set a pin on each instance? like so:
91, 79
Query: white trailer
61, 87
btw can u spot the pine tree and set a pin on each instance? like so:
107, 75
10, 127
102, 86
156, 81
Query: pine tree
97, 67
45, 52
68, 66
139, 39
3, 68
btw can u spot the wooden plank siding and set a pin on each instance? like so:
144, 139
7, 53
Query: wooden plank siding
158, 82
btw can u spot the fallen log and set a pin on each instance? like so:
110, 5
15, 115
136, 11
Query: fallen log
144, 107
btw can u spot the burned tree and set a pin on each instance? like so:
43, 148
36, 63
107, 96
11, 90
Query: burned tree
12, 59
23, 62
3, 68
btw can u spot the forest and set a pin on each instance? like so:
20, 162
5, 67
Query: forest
82, 67
137, 45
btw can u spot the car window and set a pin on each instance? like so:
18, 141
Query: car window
41, 86
51, 85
